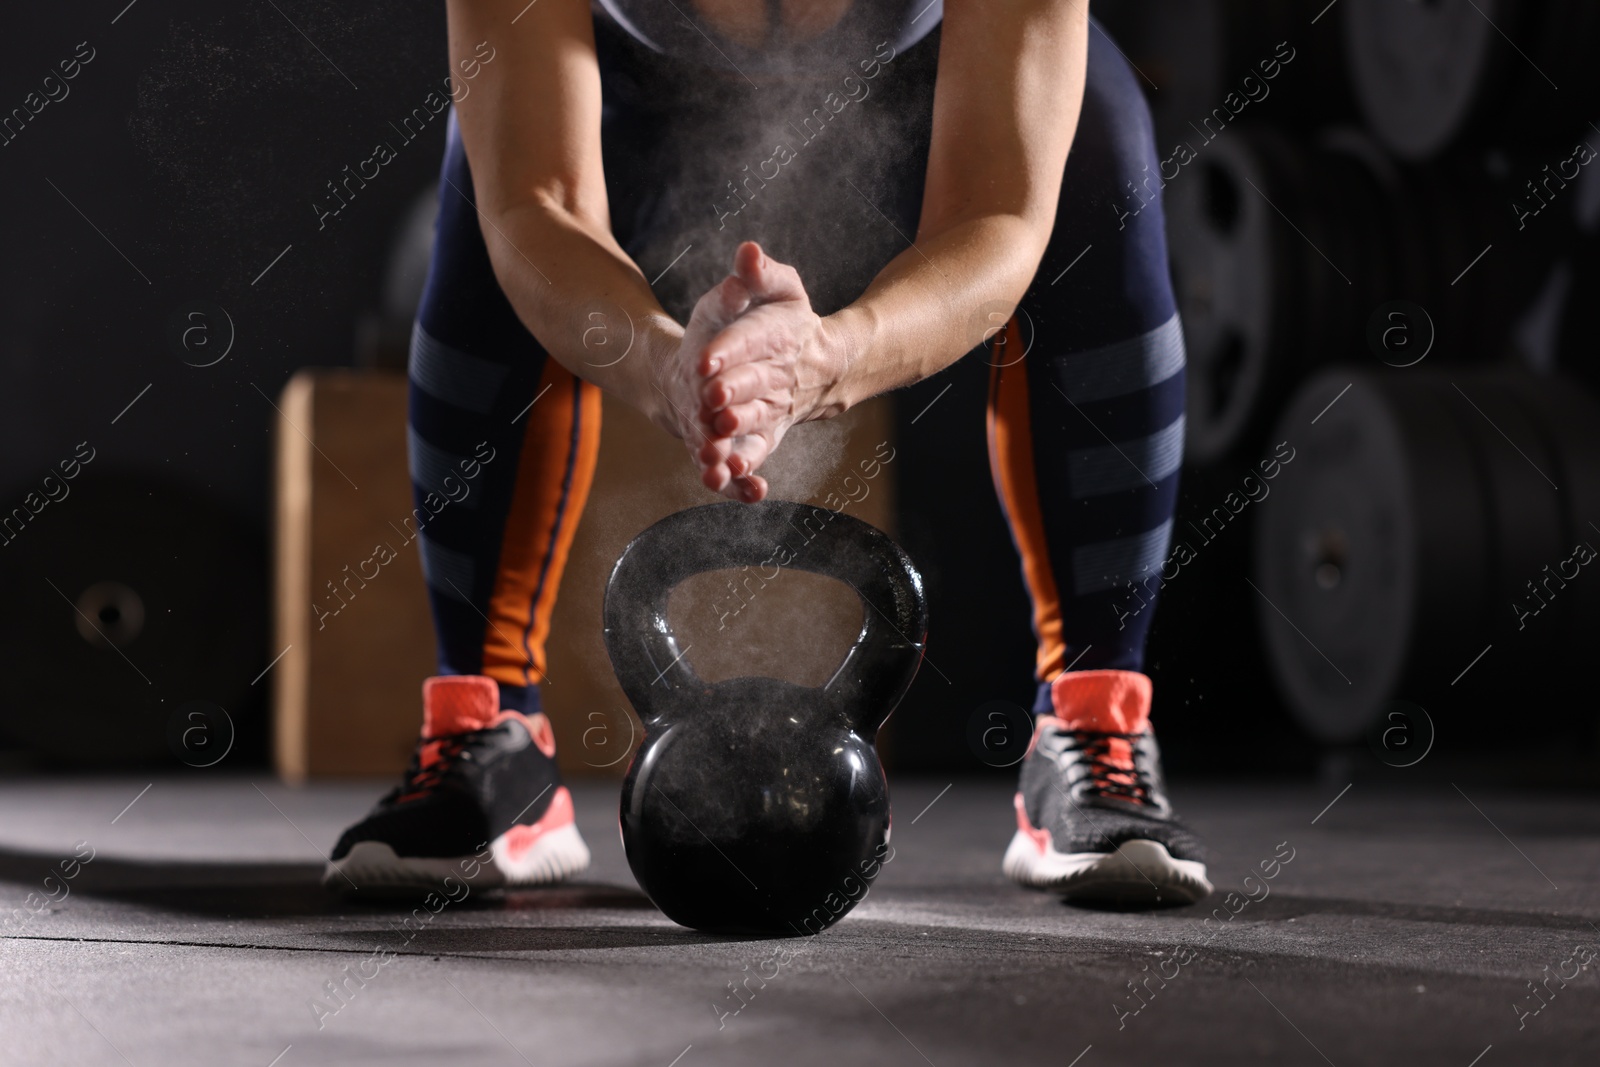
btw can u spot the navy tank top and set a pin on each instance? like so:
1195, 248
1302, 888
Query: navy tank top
754, 37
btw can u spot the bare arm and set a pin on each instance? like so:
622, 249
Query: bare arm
531, 127
1010, 85
1005, 108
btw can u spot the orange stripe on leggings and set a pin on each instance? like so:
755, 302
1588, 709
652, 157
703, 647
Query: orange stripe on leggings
554, 472
1011, 463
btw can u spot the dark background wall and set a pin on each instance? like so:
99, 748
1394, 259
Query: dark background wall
195, 141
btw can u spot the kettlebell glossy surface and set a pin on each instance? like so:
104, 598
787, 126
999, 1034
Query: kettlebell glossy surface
755, 805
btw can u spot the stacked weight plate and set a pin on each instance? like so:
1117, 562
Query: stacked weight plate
135, 599
1284, 248
1412, 535
1262, 301
1438, 75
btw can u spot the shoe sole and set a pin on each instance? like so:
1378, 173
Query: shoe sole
555, 856
1139, 872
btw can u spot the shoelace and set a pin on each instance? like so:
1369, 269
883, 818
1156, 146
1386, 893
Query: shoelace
423, 775
1106, 779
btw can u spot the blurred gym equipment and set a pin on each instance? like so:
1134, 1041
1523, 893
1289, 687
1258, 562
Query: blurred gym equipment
1430, 519
1397, 236
129, 598
1282, 250
1433, 76
1192, 54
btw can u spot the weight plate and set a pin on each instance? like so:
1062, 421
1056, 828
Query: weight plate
1419, 507
133, 597
1280, 253
1527, 531
1236, 288
1334, 561
1419, 68
1389, 256
1347, 251
1372, 535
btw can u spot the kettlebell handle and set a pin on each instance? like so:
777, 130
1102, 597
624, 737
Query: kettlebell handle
877, 669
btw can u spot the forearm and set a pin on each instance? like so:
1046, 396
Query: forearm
531, 127
994, 175
581, 297
933, 303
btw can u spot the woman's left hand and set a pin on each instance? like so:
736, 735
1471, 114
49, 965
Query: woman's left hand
776, 364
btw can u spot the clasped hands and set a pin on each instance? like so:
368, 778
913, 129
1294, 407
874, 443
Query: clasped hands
754, 360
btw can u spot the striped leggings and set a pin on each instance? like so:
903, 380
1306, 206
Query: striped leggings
1085, 413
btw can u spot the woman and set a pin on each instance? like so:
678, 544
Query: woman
648, 139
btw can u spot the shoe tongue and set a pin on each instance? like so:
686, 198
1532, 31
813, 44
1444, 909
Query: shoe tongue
1107, 701
454, 704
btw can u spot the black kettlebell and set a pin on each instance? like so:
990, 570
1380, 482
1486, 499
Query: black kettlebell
757, 806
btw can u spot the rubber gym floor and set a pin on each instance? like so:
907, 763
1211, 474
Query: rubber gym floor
181, 922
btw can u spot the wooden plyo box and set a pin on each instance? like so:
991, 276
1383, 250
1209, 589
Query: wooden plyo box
347, 692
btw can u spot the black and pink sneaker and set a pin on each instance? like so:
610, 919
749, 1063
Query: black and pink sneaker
481, 802
1093, 819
